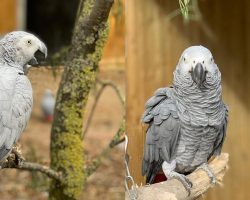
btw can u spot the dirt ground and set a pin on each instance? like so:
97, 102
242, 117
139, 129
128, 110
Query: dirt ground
107, 181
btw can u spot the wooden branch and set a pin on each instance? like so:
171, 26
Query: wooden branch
92, 111
174, 190
96, 162
103, 84
15, 161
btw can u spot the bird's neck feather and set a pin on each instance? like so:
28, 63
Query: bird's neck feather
5, 59
200, 105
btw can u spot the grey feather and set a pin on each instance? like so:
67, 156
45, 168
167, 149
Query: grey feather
15, 89
162, 134
16, 111
187, 121
48, 103
221, 136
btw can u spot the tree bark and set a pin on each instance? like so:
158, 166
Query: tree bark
66, 149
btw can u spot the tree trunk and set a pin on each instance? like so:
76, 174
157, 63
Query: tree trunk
89, 36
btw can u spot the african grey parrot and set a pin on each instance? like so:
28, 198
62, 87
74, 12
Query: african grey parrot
47, 105
17, 50
187, 121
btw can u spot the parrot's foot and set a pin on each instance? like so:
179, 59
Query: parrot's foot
18, 154
183, 179
168, 169
209, 172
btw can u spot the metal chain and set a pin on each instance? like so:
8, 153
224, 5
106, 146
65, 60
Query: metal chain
132, 192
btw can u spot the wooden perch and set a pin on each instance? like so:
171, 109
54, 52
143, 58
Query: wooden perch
16, 161
174, 190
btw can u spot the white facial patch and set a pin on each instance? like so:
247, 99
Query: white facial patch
196, 54
28, 45
26, 48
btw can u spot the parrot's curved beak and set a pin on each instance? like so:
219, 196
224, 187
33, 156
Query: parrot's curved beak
43, 49
199, 74
40, 55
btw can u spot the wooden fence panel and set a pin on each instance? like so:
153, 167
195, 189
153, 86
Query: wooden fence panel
7, 16
154, 45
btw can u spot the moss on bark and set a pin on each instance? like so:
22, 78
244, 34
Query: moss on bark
67, 155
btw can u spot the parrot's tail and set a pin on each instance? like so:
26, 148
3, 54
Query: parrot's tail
151, 170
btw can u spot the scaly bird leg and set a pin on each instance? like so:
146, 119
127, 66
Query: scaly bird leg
168, 169
18, 154
209, 172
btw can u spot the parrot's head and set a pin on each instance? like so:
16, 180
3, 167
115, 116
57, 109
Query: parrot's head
20, 49
197, 63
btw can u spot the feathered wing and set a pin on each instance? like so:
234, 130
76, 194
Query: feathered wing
162, 134
15, 108
222, 135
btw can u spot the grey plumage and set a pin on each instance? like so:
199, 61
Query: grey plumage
187, 121
48, 104
16, 50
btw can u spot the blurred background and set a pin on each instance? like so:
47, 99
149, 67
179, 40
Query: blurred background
53, 22
157, 34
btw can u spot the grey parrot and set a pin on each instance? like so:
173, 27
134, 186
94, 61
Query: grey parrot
17, 50
47, 105
187, 121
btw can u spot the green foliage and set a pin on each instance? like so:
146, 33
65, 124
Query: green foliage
189, 9
184, 6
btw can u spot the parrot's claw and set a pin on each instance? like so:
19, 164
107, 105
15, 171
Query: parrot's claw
209, 172
183, 179
18, 154
168, 169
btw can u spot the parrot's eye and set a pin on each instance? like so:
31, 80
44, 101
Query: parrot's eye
211, 60
29, 42
184, 59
